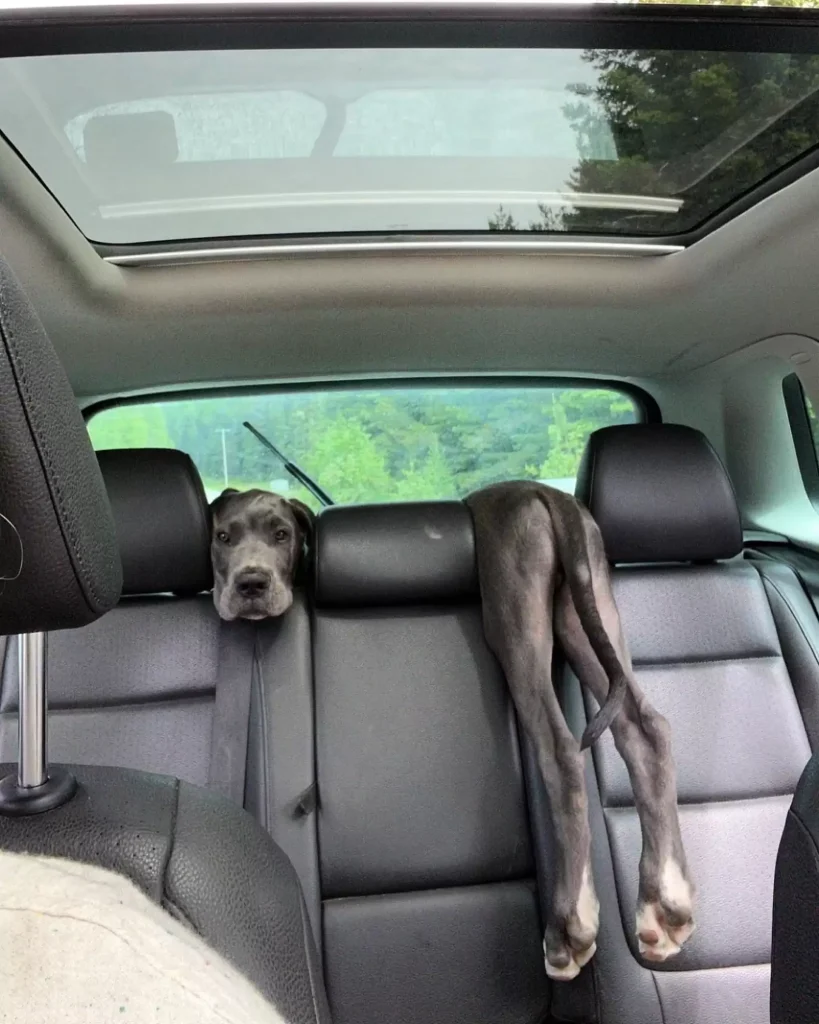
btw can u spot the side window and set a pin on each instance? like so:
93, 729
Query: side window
376, 444
814, 424
805, 431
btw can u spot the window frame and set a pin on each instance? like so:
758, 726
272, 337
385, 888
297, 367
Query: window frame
644, 402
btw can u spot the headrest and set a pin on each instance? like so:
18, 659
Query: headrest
420, 552
59, 564
162, 519
659, 493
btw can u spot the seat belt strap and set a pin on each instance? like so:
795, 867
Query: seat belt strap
231, 712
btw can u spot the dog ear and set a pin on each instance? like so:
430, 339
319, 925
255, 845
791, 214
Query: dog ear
305, 517
217, 503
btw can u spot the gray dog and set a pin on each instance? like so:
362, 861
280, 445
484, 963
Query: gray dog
257, 540
543, 574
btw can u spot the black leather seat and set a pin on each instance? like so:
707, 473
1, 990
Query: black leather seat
430, 909
138, 687
728, 651
794, 957
200, 856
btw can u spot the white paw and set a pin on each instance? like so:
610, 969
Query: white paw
578, 943
663, 927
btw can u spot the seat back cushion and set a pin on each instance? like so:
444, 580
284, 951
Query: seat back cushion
430, 907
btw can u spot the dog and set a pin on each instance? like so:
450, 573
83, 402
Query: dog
257, 540
544, 575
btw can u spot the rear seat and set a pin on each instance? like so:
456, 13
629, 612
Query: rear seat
728, 651
427, 865
430, 907
137, 688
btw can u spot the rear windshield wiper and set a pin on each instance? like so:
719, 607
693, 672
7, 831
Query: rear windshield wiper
292, 468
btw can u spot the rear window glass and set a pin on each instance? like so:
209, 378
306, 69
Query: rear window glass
375, 444
814, 425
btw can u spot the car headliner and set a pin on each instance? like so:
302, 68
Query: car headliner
345, 311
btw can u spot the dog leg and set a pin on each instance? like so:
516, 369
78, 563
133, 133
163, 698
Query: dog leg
517, 588
643, 738
571, 925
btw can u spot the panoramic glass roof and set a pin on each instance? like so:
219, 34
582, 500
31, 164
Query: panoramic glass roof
150, 147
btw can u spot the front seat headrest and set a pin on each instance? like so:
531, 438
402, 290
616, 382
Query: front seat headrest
659, 493
59, 562
162, 520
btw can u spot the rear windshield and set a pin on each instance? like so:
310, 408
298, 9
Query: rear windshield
375, 444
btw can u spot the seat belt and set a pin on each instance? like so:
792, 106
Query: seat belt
231, 711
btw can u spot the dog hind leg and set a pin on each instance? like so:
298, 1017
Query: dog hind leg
642, 737
517, 590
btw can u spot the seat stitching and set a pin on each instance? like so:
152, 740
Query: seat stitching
659, 996
166, 899
794, 614
707, 661
66, 526
152, 703
257, 682
306, 933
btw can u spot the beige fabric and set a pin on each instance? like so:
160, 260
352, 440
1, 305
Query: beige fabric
79, 945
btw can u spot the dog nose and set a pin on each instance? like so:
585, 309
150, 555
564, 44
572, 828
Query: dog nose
252, 584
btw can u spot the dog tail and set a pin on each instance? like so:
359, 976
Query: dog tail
573, 549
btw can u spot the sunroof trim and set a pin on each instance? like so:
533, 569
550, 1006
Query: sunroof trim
486, 246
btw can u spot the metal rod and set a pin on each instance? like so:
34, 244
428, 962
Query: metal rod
32, 766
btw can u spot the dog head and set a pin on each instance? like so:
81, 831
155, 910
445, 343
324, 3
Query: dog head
257, 539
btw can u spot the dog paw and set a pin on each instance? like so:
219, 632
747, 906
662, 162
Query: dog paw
570, 943
664, 925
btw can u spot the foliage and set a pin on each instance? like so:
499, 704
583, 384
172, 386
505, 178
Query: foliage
701, 126
390, 444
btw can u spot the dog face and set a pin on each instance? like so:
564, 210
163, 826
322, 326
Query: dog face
256, 542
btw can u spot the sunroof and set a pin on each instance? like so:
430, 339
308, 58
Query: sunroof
151, 147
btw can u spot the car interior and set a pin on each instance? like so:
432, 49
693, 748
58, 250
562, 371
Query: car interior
374, 256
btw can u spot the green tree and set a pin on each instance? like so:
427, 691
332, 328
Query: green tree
431, 479
131, 426
347, 463
700, 126
576, 414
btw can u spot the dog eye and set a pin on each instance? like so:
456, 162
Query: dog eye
223, 536
281, 536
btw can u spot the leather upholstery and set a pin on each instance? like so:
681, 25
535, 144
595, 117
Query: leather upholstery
135, 689
204, 860
794, 974
709, 652
659, 493
281, 790
440, 811
51, 489
413, 553
430, 912
162, 520
458, 955
729, 653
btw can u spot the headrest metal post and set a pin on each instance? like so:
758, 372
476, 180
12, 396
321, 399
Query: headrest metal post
34, 788
32, 766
